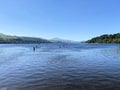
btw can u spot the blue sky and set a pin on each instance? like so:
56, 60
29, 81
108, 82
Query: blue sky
68, 19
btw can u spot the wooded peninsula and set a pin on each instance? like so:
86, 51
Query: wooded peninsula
107, 38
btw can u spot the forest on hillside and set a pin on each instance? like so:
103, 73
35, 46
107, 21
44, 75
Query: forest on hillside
107, 38
8, 39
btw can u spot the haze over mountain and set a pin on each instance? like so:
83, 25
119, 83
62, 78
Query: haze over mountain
62, 40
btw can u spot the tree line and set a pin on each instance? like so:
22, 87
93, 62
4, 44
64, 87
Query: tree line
7, 39
107, 38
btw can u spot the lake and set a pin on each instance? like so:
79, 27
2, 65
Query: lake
60, 66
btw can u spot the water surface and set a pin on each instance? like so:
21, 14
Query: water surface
60, 67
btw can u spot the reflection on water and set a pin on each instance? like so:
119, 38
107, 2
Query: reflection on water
60, 67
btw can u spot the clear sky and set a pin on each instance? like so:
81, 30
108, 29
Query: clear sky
67, 19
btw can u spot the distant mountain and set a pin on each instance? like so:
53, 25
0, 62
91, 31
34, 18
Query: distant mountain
6, 39
107, 38
62, 40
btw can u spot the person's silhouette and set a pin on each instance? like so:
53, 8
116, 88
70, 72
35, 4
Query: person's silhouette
33, 48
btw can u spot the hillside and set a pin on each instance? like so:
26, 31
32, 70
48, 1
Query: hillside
107, 38
7, 39
59, 40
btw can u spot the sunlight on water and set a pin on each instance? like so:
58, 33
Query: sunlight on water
60, 67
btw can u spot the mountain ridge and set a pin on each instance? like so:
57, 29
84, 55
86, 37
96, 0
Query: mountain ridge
6, 39
62, 40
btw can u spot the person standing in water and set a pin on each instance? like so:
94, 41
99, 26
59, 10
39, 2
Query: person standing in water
33, 48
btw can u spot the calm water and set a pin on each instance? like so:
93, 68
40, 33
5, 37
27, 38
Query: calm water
60, 67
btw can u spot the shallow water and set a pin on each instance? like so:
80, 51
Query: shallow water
60, 67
